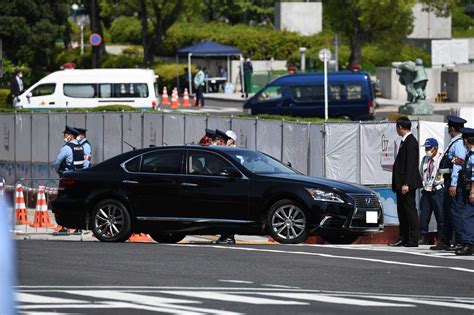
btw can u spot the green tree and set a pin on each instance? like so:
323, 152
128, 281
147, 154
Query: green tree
29, 30
254, 12
368, 21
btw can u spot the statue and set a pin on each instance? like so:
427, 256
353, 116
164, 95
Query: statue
413, 76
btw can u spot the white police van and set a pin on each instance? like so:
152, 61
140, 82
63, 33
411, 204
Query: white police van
75, 88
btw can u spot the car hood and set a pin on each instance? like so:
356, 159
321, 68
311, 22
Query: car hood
346, 187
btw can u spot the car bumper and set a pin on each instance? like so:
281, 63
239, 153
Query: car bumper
70, 213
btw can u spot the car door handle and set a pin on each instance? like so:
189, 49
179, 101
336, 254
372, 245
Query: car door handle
125, 181
189, 185
51, 103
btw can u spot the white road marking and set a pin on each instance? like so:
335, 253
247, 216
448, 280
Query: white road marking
236, 281
232, 298
333, 299
427, 302
279, 286
34, 298
376, 260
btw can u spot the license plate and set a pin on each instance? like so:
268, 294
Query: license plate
371, 217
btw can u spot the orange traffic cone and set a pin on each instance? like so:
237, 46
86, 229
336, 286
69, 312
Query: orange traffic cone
186, 99
174, 99
140, 238
20, 207
164, 97
41, 212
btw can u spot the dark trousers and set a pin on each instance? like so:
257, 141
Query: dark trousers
432, 201
453, 208
408, 217
200, 96
468, 223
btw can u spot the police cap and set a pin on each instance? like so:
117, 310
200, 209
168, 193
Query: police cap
455, 121
210, 132
221, 134
467, 132
81, 130
71, 130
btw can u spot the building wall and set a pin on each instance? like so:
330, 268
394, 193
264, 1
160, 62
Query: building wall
305, 18
428, 25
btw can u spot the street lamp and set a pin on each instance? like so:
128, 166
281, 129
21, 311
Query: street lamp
74, 8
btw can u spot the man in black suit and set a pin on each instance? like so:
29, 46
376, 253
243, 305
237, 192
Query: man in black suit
406, 180
16, 85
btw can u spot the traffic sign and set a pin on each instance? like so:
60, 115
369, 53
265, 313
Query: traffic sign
95, 39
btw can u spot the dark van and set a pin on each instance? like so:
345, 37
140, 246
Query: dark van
350, 95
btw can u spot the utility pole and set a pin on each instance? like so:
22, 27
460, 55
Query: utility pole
94, 29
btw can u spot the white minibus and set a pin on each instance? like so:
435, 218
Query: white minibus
75, 88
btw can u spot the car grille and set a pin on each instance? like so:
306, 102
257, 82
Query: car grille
366, 201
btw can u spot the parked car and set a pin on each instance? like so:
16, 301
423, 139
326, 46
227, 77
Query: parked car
74, 88
171, 192
350, 95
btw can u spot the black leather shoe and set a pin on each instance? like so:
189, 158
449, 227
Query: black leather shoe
397, 243
411, 245
454, 247
440, 246
423, 240
466, 250
227, 241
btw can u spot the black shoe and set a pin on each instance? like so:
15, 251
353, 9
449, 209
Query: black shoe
440, 246
411, 245
466, 250
62, 231
398, 243
423, 240
454, 247
225, 239
77, 232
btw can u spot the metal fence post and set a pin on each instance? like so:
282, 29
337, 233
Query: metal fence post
282, 139
324, 150
308, 155
103, 136
31, 144
256, 137
121, 129
184, 127
142, 119
163, 129
14, 151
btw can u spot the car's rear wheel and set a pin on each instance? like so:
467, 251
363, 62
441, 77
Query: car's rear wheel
167, 238
288, 222
111, 221
340, 237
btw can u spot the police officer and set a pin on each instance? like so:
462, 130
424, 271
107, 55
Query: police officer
199, 83
71, 155
450, 166
81, 138
467, 190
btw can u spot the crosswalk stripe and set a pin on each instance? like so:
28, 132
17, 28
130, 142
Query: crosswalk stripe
333, 299
35, 298
426, 302
128, 297
233, 298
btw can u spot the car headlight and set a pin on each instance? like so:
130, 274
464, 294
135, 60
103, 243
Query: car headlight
321, 195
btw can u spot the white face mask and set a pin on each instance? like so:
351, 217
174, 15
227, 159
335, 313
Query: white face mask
78, 138
429, 153
66, 140
20, 75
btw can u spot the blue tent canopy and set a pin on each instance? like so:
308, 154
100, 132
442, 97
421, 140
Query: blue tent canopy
209, 48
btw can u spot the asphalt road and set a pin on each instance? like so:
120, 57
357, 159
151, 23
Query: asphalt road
149, 278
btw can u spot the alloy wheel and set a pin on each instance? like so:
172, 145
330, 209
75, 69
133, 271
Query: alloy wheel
288, 222
109, 221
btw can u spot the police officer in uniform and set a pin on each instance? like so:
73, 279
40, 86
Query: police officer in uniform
71, 155
81, 138
450, 166
466, 181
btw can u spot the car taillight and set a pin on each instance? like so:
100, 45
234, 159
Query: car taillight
66, 183
371, 106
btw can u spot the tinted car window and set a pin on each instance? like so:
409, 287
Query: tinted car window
307, 93
168, 162
271, 93
354, 91
336, 92
130, 90
206, 163
134, 164
80, 90
260, 163
43, 89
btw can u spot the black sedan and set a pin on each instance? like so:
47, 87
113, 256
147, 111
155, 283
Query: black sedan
171, 192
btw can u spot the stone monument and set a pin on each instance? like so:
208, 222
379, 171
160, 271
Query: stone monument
413, 76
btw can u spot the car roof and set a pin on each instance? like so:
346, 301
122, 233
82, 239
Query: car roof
309, 77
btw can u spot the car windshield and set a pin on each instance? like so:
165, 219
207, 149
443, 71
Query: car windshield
260, 163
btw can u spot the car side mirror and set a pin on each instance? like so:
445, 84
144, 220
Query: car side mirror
230, 172
29, 95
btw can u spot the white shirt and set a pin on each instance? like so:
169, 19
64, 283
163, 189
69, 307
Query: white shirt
405, 136
431, 178
20, 83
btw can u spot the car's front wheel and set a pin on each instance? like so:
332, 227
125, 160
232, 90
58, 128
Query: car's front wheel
288, 222
111, 221
167, 238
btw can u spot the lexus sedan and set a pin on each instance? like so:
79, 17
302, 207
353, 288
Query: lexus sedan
171, 192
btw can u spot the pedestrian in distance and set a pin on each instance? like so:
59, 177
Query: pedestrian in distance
232, 142
248, 73
466, 184
432, 192
406, 180
81, 138
450, 165
71, 155
199, 84
207, 138
16, 86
